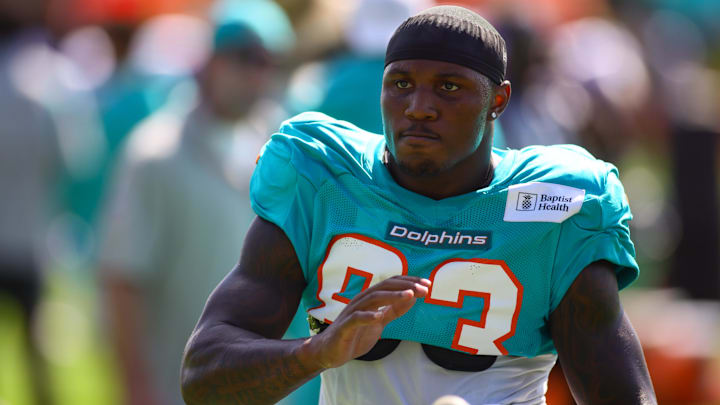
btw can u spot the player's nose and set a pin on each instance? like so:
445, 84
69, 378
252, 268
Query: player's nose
420, 106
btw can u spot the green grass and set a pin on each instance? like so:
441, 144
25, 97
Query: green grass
79, 356
80, 365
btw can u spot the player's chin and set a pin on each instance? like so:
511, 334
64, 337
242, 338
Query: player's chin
419, 166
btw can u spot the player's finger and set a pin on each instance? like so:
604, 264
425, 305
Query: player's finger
416, 284
377, 299
417, 280
374, 298
395, 310
360, 318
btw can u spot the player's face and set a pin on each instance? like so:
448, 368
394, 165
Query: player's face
434, 114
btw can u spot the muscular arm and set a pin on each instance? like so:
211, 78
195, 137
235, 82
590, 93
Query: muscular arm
235, 355
597, 346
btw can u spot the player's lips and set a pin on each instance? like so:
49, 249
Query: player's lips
418, 135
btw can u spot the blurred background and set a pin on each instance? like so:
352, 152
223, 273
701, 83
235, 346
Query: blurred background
129, 130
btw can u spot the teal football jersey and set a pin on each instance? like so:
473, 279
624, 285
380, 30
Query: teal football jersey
500, 259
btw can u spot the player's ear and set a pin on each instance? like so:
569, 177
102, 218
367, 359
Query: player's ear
500, 99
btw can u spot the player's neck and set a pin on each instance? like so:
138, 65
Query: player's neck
473, 173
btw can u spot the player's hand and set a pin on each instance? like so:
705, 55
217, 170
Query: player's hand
358, 327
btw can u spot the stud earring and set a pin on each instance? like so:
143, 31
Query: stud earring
493, 115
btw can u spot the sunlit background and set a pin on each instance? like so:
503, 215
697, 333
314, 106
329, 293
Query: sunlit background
89, 88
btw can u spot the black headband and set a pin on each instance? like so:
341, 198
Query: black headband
450, 34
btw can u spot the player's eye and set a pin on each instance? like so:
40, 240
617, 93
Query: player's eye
402, 84
447, 86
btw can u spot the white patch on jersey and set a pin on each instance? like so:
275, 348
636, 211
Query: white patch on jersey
542, 202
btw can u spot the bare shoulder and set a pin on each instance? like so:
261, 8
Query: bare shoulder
268, 254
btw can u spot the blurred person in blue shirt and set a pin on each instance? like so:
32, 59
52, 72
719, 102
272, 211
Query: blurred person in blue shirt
30, 161
178, 207
347, 85
144, 69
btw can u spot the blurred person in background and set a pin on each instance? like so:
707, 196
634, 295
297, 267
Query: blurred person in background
46, 73
126, 71
30, 162
680, 48
347, 84
179, 208
677, 197
526, 122
124, 94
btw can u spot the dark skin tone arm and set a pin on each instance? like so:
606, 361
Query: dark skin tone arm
236, 356
597, 346
234, 346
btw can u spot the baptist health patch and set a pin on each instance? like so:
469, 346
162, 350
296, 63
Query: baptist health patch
542, 202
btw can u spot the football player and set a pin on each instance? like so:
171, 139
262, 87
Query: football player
430, 264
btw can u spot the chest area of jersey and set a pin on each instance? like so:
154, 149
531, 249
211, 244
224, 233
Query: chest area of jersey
489, 277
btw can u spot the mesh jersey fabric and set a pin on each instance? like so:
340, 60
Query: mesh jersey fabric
323, 182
